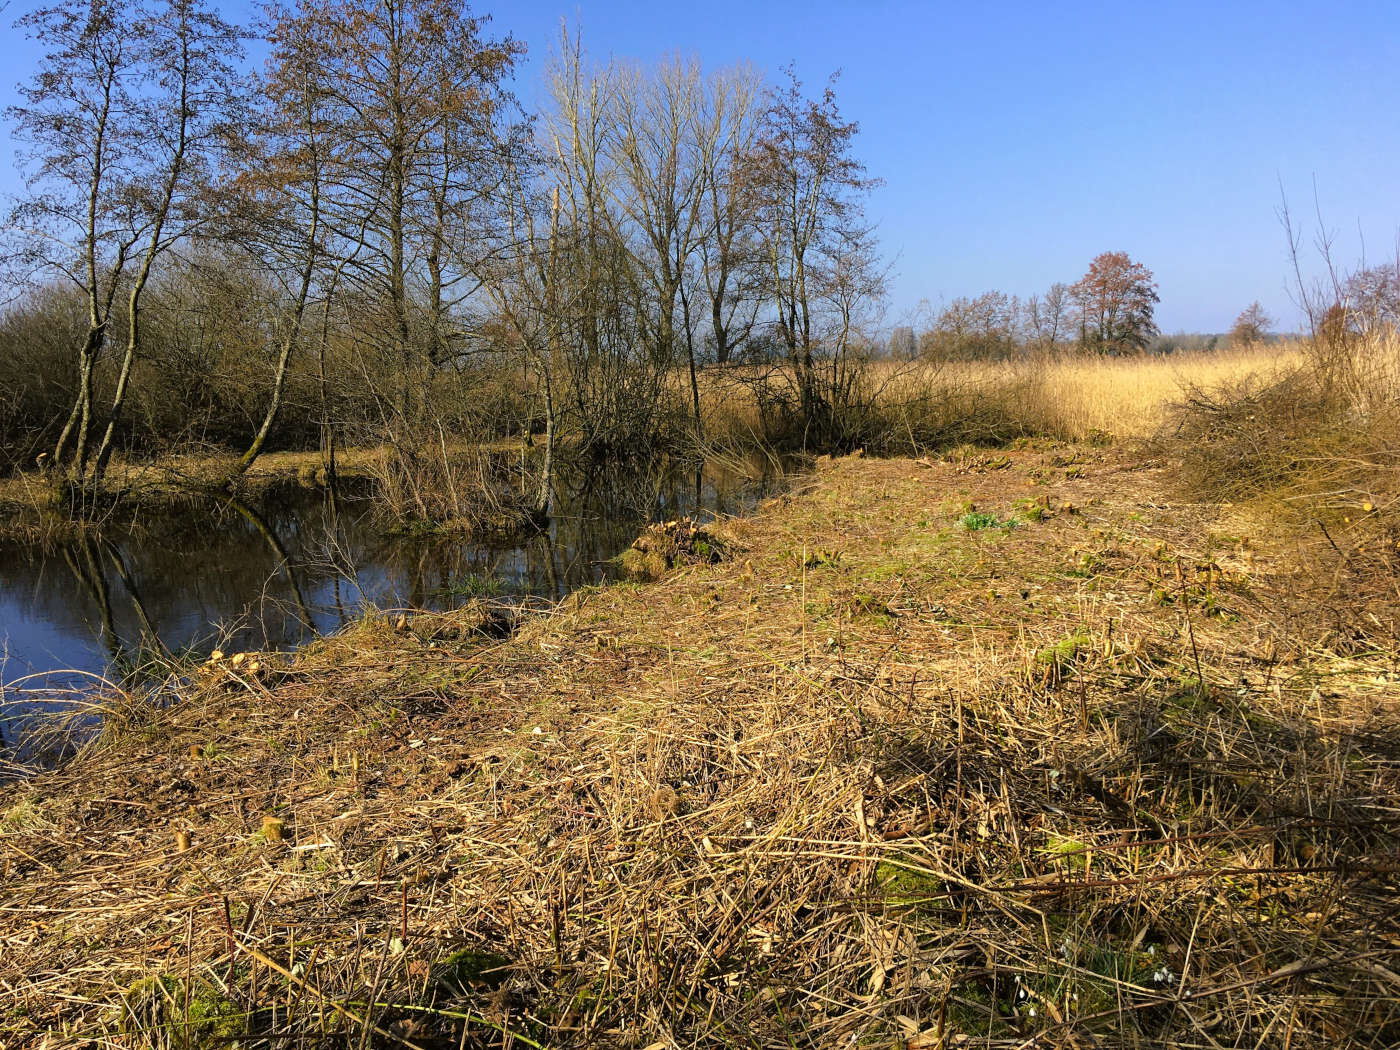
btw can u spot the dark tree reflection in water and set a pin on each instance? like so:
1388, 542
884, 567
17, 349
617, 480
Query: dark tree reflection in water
115, 605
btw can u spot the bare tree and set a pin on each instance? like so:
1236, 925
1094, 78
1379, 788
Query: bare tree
903, 343
1251, 326
982, 327
618, 377
1372, 297
414, 100
124, 118
731, 259
283, 173
808, 188
658, 194
647, 159
192, 98
80, 221
531, 292
1048, 317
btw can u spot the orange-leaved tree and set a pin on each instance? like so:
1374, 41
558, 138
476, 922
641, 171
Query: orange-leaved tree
1116, 299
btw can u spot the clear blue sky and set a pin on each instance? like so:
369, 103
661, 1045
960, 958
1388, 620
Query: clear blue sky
1018, 140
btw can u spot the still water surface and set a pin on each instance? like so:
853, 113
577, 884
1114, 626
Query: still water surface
275, 575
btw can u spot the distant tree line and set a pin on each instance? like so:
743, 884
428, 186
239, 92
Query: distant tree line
1110, 310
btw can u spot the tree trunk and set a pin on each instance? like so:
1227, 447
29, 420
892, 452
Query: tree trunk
544, 497
133, 340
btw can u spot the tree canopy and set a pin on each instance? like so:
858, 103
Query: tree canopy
1116, 297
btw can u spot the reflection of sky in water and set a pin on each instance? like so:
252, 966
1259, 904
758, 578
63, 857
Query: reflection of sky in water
274, 577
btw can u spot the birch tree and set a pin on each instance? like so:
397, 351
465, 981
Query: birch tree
124, 120
191, 100
79, 221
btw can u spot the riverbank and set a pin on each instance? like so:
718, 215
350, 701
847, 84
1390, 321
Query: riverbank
32, 505
485, 485
1009, 748
899, 406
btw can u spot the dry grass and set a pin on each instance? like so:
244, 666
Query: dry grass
472, 487
1075, 398
36, 507
1131, 397
895, 408
1078, 398
1312, 453
897, 773
191, 471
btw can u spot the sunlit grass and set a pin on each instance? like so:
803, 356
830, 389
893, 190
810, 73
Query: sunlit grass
1073, 397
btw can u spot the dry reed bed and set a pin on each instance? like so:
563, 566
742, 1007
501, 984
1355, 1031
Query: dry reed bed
881, 778
1066, 396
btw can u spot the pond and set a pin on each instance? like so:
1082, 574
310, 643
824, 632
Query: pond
114, 606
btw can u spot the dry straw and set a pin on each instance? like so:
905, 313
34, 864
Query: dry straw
903, 405
1004, 749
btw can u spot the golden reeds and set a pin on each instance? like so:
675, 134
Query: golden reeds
908, 405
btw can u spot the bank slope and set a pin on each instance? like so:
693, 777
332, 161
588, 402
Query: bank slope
1008, 748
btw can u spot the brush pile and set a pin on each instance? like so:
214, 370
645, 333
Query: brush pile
1313, 452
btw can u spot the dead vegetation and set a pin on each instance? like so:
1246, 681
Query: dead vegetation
907, 407
985, 751
668, 544
1313, 452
